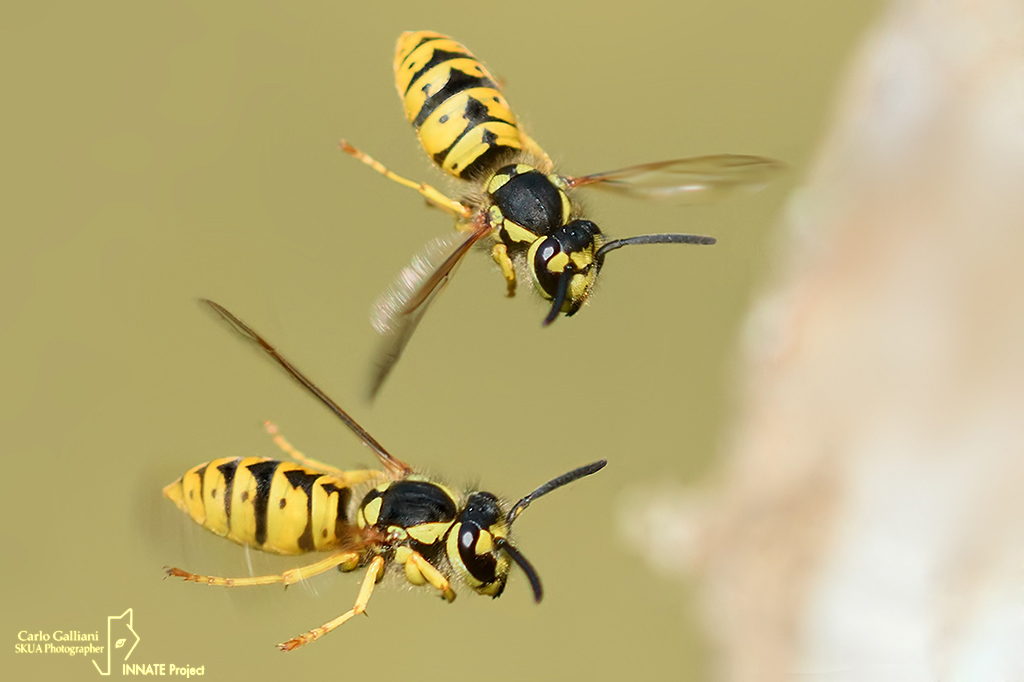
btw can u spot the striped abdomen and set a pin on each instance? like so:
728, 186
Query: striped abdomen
453, 102
279, 507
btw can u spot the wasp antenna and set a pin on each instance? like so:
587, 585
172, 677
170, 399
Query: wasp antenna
531, 573
560, 294
654, 239
554, 484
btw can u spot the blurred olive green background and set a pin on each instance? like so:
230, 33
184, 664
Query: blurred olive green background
156, 153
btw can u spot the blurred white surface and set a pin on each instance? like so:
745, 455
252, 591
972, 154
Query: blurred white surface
868, 521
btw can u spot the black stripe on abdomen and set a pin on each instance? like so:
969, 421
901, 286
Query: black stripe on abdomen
476, 114
457, 82
227, 470
301, 479
438, 57
201, 472
341, 524
263, 473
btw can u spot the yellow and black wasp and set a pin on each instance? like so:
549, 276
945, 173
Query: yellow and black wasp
512, 193
402, 519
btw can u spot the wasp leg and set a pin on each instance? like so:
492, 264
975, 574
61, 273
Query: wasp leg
374, 572
418, 570
500, 255
348, 561
348, 477
431, 194
533, 148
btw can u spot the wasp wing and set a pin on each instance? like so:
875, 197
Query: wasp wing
398, 311
700, 179
395, 467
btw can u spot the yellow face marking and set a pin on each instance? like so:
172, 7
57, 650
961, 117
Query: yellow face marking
492, 589
371, 511
428, 533
558, 262
579, 288
582, 259
484, 544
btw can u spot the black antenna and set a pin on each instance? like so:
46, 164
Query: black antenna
517, 556
653, 239
553, 484
561, 293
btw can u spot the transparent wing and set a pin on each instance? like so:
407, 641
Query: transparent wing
700, 179
398, 311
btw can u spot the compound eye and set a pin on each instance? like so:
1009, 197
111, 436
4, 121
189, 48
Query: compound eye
476, 552
547, 278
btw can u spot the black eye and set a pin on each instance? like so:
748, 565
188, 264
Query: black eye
468, 537
547, 280
480, 566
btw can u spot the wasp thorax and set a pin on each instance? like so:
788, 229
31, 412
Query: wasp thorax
413, 512
526, 204
471, 545
573, 247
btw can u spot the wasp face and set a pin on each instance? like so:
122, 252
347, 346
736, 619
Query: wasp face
571, 248
525, 204
472, 545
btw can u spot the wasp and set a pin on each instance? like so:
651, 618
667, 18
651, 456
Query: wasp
433, 533
512, 194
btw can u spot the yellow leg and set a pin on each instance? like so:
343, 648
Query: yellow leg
347, 560
433, 576
500, 255
348, 477
374, 572
431, 194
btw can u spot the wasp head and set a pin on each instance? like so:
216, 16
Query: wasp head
565, 264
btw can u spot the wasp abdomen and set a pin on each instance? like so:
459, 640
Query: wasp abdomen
276, 506
461, 118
